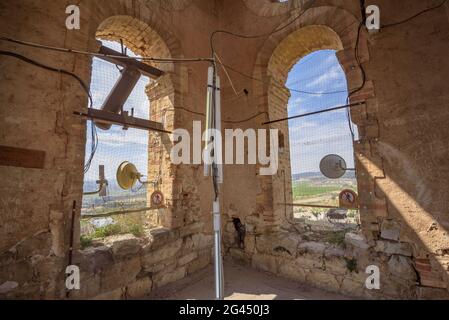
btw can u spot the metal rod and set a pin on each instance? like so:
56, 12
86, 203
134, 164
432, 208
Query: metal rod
123, 120
309, 205
115, 57
218, 179
116, 213
209, 121
219, 279
72, 236
316, 112
218, 143
117, 97
213, 117
101, 181
94, 192
72, 232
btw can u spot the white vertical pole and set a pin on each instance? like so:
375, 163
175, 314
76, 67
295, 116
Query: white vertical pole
218, 147
213, 121
219, 279
209, 120
218, 155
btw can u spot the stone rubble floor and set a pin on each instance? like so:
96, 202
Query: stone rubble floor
241, 283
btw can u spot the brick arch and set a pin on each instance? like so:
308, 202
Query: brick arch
332, 25
137, 36
270, 8
324, 27
142, 15
297, 45
144, 40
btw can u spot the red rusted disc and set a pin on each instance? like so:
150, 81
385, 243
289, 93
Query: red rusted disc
157, 199
348, 199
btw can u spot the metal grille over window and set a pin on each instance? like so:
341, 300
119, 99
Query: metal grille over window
124, 210
319, 83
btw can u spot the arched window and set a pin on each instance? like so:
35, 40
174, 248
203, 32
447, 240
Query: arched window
317, 83
114, 146
147, 205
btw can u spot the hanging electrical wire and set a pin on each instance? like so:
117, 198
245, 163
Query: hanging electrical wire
245, 36
359, 63
212, 60
94, 136
93, 131
393, 24
99, 55
41, 65
356, 51
227, 75
94, 147
277, 85
363, 73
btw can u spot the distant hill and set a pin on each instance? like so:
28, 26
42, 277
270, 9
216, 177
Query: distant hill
319, 175
306, 175
113, 187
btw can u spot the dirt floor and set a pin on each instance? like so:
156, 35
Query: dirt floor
241, 283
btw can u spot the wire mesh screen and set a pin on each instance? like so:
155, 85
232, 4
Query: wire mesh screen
115, 146
318, 82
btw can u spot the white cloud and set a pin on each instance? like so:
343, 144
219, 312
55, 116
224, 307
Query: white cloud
123, 139
333, 74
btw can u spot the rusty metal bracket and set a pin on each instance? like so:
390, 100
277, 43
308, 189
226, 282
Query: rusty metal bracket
132, 70
122, 119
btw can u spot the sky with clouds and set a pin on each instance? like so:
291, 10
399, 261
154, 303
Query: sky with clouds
117, 145
312, 138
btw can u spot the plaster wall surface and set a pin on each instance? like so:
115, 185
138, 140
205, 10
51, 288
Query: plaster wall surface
401, 156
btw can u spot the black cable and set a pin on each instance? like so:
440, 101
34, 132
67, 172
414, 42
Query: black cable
314, 113
247, 119
362, 70
243, 36
279, 86
41, 65
357, 46
81, 82
363, 11
393, 24
94, 146
356, 51
348, 116
100, 55
359, 63
214, 125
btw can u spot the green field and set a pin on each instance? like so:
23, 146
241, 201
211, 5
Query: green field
308, 189
319, 192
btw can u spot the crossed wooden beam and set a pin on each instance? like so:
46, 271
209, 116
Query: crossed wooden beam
111, 111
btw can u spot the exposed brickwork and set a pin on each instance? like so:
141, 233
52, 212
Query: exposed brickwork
275, 58
401, 156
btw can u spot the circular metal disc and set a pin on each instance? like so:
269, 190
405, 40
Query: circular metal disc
127, 175
333, 166
157, 199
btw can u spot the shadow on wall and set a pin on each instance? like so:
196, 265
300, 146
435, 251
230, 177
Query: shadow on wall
413, 212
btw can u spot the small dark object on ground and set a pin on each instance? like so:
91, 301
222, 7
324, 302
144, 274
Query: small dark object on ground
337, 214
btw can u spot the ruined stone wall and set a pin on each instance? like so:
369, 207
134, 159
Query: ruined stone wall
399, 157
37, 113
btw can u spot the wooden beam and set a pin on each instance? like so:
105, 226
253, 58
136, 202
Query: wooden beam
119, 94
143, 68
21, 158
123, 120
